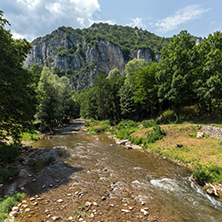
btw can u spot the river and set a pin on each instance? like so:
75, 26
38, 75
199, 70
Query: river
96, 180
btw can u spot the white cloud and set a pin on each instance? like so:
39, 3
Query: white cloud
182, 16
33, 18
137, 22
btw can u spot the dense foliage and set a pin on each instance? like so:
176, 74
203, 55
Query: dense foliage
188, 75
56, 105
17, 95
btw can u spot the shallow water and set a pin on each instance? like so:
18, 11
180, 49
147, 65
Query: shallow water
126, 178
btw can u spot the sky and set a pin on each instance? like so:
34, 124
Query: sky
34, 18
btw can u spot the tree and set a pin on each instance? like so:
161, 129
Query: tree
145, 88
132, 67
56, 103
116, 81
208, 77
17, 95
176, 72
127, 104
113, 73
102, 89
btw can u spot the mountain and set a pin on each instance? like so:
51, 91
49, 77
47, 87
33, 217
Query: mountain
81, 53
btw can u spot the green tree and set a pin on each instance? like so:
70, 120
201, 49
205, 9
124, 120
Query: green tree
132, 67
17, 95
56, 103
113, 73
145, 88
102, 89
209, 72
176, 72
116, 81
127, 104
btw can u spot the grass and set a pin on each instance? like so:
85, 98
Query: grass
202, 155
30, 136
7, 204
178, 142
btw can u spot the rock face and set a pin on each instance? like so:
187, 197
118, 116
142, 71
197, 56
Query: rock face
80, 59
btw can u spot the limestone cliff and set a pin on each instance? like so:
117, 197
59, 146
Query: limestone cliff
80, 55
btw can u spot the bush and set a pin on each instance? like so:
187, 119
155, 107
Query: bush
148, 123
30, 136
168, 116
153, 136
4, 174
136, 140
127, 124
125, 133
207, 173
8, 153
87, 124
189, 112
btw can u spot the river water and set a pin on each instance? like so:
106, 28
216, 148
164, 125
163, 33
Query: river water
120, 182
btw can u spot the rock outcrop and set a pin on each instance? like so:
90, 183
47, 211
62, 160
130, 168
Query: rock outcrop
81, 58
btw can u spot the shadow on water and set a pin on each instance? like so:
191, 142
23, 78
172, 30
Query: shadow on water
40, 171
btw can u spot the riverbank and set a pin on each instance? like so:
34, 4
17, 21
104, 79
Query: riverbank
187, 144
81, 177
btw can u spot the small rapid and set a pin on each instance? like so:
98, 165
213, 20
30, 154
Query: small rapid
128, 178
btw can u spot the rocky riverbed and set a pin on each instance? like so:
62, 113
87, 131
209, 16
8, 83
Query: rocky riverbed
72, 176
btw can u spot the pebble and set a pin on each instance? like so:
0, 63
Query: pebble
69, 194
55, 218
32, 198
35, 204
60, 201
91, 215
125, 210
88, 204
27, 210
144, 212
13, 214
16, 209
95, 204
24, 201
103, 198
43, 186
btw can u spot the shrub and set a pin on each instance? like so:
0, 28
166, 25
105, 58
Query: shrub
189, 112
4, 174
8, 153
207, 173
87, 124
127, 124
125, 133
167, 116
136, 140
153, 136
148, 123
30, 136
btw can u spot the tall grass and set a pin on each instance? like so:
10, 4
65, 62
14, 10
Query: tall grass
7, 204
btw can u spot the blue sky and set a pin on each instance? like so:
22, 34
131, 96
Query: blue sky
33, 18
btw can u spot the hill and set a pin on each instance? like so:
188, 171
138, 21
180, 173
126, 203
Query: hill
81, 53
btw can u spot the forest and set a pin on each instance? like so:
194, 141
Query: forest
185, 84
